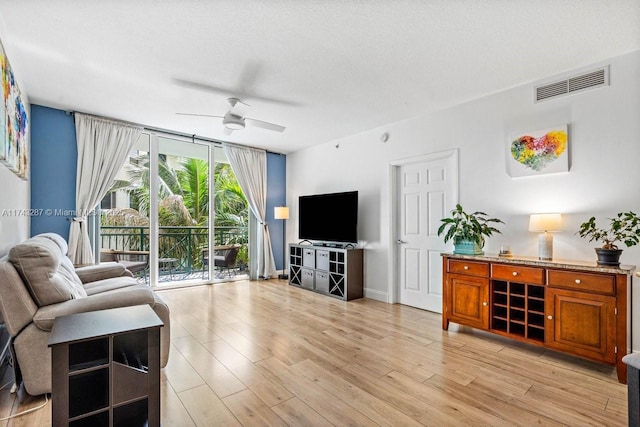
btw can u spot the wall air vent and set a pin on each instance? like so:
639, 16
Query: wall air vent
591, 80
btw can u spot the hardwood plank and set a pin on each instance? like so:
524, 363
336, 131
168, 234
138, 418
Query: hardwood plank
25, 402
517, 412
296, 413
215, 374
265, 386
333, 409
206, 408
251, 411
172, 412
194, 327
180, 373
460, 409
393, 359
401, 400
369, 405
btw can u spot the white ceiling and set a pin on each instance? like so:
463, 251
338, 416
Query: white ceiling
324, 69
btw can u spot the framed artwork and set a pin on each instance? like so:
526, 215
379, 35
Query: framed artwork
538, 152
3, 103
14, 149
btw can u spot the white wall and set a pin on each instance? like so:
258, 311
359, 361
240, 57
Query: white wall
604, 177
14, 192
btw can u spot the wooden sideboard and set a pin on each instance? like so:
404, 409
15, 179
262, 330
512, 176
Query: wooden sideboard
574, 307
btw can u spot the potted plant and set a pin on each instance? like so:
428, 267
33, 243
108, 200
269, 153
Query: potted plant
625, 228
468, 230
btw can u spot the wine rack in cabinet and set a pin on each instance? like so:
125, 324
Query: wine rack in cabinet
331, 271
575, 307
106, 368
517, 301
518, 309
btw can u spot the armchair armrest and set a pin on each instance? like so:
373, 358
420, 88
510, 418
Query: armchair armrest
105, 270
138, 295
632, 359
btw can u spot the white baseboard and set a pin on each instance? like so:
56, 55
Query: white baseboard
376, 295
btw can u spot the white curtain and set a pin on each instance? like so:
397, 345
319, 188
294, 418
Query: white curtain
103, 148
250, 168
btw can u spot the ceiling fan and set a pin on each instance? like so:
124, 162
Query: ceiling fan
235, 118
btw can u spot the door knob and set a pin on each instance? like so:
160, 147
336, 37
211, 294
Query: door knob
484, 303
401, 242
550, 317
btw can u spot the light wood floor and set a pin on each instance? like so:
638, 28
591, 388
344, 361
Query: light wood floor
265, 353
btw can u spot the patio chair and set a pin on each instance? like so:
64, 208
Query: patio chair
224, 258
134, 261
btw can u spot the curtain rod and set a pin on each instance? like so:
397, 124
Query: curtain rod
191, 137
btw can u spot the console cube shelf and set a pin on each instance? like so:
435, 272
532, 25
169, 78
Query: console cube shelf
329, 271
106, 368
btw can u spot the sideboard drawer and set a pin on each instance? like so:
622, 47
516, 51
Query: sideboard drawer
471, 268
580, 281
517, 273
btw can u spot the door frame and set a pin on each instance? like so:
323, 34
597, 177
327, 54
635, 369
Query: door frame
393, 270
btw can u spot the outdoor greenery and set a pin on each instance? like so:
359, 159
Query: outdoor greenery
467, 226
184, 194
625, 228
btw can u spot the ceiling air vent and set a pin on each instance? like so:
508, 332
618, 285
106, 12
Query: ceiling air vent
590, 80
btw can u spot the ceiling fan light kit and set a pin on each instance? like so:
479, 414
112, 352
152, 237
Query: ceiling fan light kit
232, 122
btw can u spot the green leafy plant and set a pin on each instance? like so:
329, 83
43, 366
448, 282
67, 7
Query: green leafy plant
625, 228
468, 226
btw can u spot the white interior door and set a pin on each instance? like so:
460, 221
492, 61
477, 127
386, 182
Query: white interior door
427, 190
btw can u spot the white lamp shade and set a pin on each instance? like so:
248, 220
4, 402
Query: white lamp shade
545, 222
281, 212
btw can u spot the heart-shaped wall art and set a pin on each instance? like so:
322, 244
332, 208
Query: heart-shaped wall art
538, 152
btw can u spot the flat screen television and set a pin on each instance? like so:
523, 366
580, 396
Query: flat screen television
329, 217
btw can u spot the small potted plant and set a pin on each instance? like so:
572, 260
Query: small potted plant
625, 228
468, 230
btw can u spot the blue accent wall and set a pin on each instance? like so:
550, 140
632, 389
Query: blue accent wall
54, 157
276, 196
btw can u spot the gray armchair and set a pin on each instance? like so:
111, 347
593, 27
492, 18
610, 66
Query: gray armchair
633, 387
39, 283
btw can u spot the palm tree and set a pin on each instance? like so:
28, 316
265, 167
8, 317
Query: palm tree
137, 184
194, 182
229, 198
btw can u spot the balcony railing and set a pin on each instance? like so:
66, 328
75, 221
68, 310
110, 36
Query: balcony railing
183, 245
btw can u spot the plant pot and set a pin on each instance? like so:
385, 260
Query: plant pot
608, 256
467, 247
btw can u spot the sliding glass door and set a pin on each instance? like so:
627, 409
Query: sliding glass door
183, 210
161, 227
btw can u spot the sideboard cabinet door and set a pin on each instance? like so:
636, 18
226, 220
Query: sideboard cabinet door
581, 323
468, 299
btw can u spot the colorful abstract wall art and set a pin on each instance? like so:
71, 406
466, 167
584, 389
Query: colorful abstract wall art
14, 123
539, 152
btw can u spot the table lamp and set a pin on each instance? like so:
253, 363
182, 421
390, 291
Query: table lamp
282, 212
545, 224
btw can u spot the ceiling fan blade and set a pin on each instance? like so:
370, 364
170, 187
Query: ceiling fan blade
233, 91
264, 125
238, 108
199, 115
203, 86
